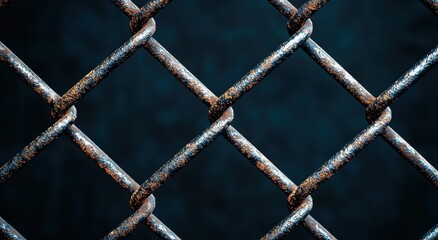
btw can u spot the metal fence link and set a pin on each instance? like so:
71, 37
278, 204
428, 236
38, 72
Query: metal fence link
220, 114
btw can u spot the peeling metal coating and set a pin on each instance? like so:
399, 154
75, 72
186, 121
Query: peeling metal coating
220, 114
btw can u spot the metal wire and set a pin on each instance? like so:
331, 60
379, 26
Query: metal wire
221, 115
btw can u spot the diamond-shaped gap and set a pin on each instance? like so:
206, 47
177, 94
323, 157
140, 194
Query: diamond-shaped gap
212, 197
143, 121
298, 117
223, 41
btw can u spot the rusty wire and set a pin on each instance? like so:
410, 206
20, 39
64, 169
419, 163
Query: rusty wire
142, 201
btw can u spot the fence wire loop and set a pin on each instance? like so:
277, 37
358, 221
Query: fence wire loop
303, 14
220, 114
146, 13
139, 216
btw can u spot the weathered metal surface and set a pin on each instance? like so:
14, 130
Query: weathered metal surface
93, 78
432, 5
146, 12
181, 159
365, 98
36, 146
432, 234
257, 74
8, 232
221, 115
291, 221
304, 13
132, 222
335, 163
392, 93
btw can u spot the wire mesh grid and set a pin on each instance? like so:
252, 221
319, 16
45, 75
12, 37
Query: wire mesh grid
142, 201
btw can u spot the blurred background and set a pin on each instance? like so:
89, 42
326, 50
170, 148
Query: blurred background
141, 116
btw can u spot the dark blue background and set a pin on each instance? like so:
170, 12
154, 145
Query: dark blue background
141, 116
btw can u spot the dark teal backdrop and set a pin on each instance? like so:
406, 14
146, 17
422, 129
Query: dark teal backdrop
141, 116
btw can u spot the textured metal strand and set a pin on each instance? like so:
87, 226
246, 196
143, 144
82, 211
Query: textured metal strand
432, 234
8, 232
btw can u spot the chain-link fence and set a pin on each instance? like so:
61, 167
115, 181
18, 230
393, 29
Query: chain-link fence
221, 114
